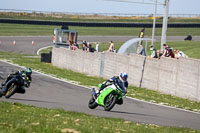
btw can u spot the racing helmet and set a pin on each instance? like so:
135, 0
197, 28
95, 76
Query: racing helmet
123, 76
28, 71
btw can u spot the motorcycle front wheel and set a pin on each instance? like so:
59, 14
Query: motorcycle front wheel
92, 104
12, 88
110, 101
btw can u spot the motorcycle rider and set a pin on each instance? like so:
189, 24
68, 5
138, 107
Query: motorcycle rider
25, 79
120, 80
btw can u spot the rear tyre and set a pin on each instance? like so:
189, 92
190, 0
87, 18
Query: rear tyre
92, 104
12, 88
110, 101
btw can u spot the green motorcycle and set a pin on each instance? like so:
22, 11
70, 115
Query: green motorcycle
107, 98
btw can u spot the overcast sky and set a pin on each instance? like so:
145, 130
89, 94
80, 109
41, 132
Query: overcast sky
103, 6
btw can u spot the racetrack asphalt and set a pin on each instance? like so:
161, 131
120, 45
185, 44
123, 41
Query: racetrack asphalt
49, 92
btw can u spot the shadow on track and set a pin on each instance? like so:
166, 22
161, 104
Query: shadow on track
121, 112
19, 99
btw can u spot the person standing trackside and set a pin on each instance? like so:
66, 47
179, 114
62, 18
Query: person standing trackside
54, 38
97, 47
111, 47
142, 50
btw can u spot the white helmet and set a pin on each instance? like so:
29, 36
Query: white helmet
123, 76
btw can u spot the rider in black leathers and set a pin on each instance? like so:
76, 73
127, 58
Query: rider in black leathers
24, 79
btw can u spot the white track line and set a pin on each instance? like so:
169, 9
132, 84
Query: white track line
38, 52
90, 88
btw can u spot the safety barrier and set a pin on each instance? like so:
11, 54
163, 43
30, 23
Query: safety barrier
171, 76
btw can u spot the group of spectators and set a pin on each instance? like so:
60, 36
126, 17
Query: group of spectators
167, 52
86, 46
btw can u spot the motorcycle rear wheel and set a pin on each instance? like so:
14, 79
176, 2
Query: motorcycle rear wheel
92, 104
11, 90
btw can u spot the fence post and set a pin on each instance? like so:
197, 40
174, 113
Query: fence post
142, 72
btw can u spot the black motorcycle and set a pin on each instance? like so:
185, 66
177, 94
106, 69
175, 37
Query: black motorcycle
13, 85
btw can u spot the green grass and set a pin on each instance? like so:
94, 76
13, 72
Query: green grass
46, 30
25, 30
82, 79
19, 118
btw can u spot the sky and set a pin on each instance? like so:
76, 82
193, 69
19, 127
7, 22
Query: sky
103, 6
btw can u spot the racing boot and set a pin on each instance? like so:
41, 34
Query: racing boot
94, 93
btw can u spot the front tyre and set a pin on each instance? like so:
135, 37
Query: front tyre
11, 90
1, 92
92, 104
110, 101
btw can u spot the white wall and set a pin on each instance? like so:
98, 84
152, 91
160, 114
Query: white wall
176, 77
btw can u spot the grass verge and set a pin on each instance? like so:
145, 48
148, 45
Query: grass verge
19, 118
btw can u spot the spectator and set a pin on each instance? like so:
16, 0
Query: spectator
111, 47
76, 44
170, 52
179, 54
54, 38
142, 50
163, 53
153, 52
84, 47
74, 47
90, 48
97, 47
84, 42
